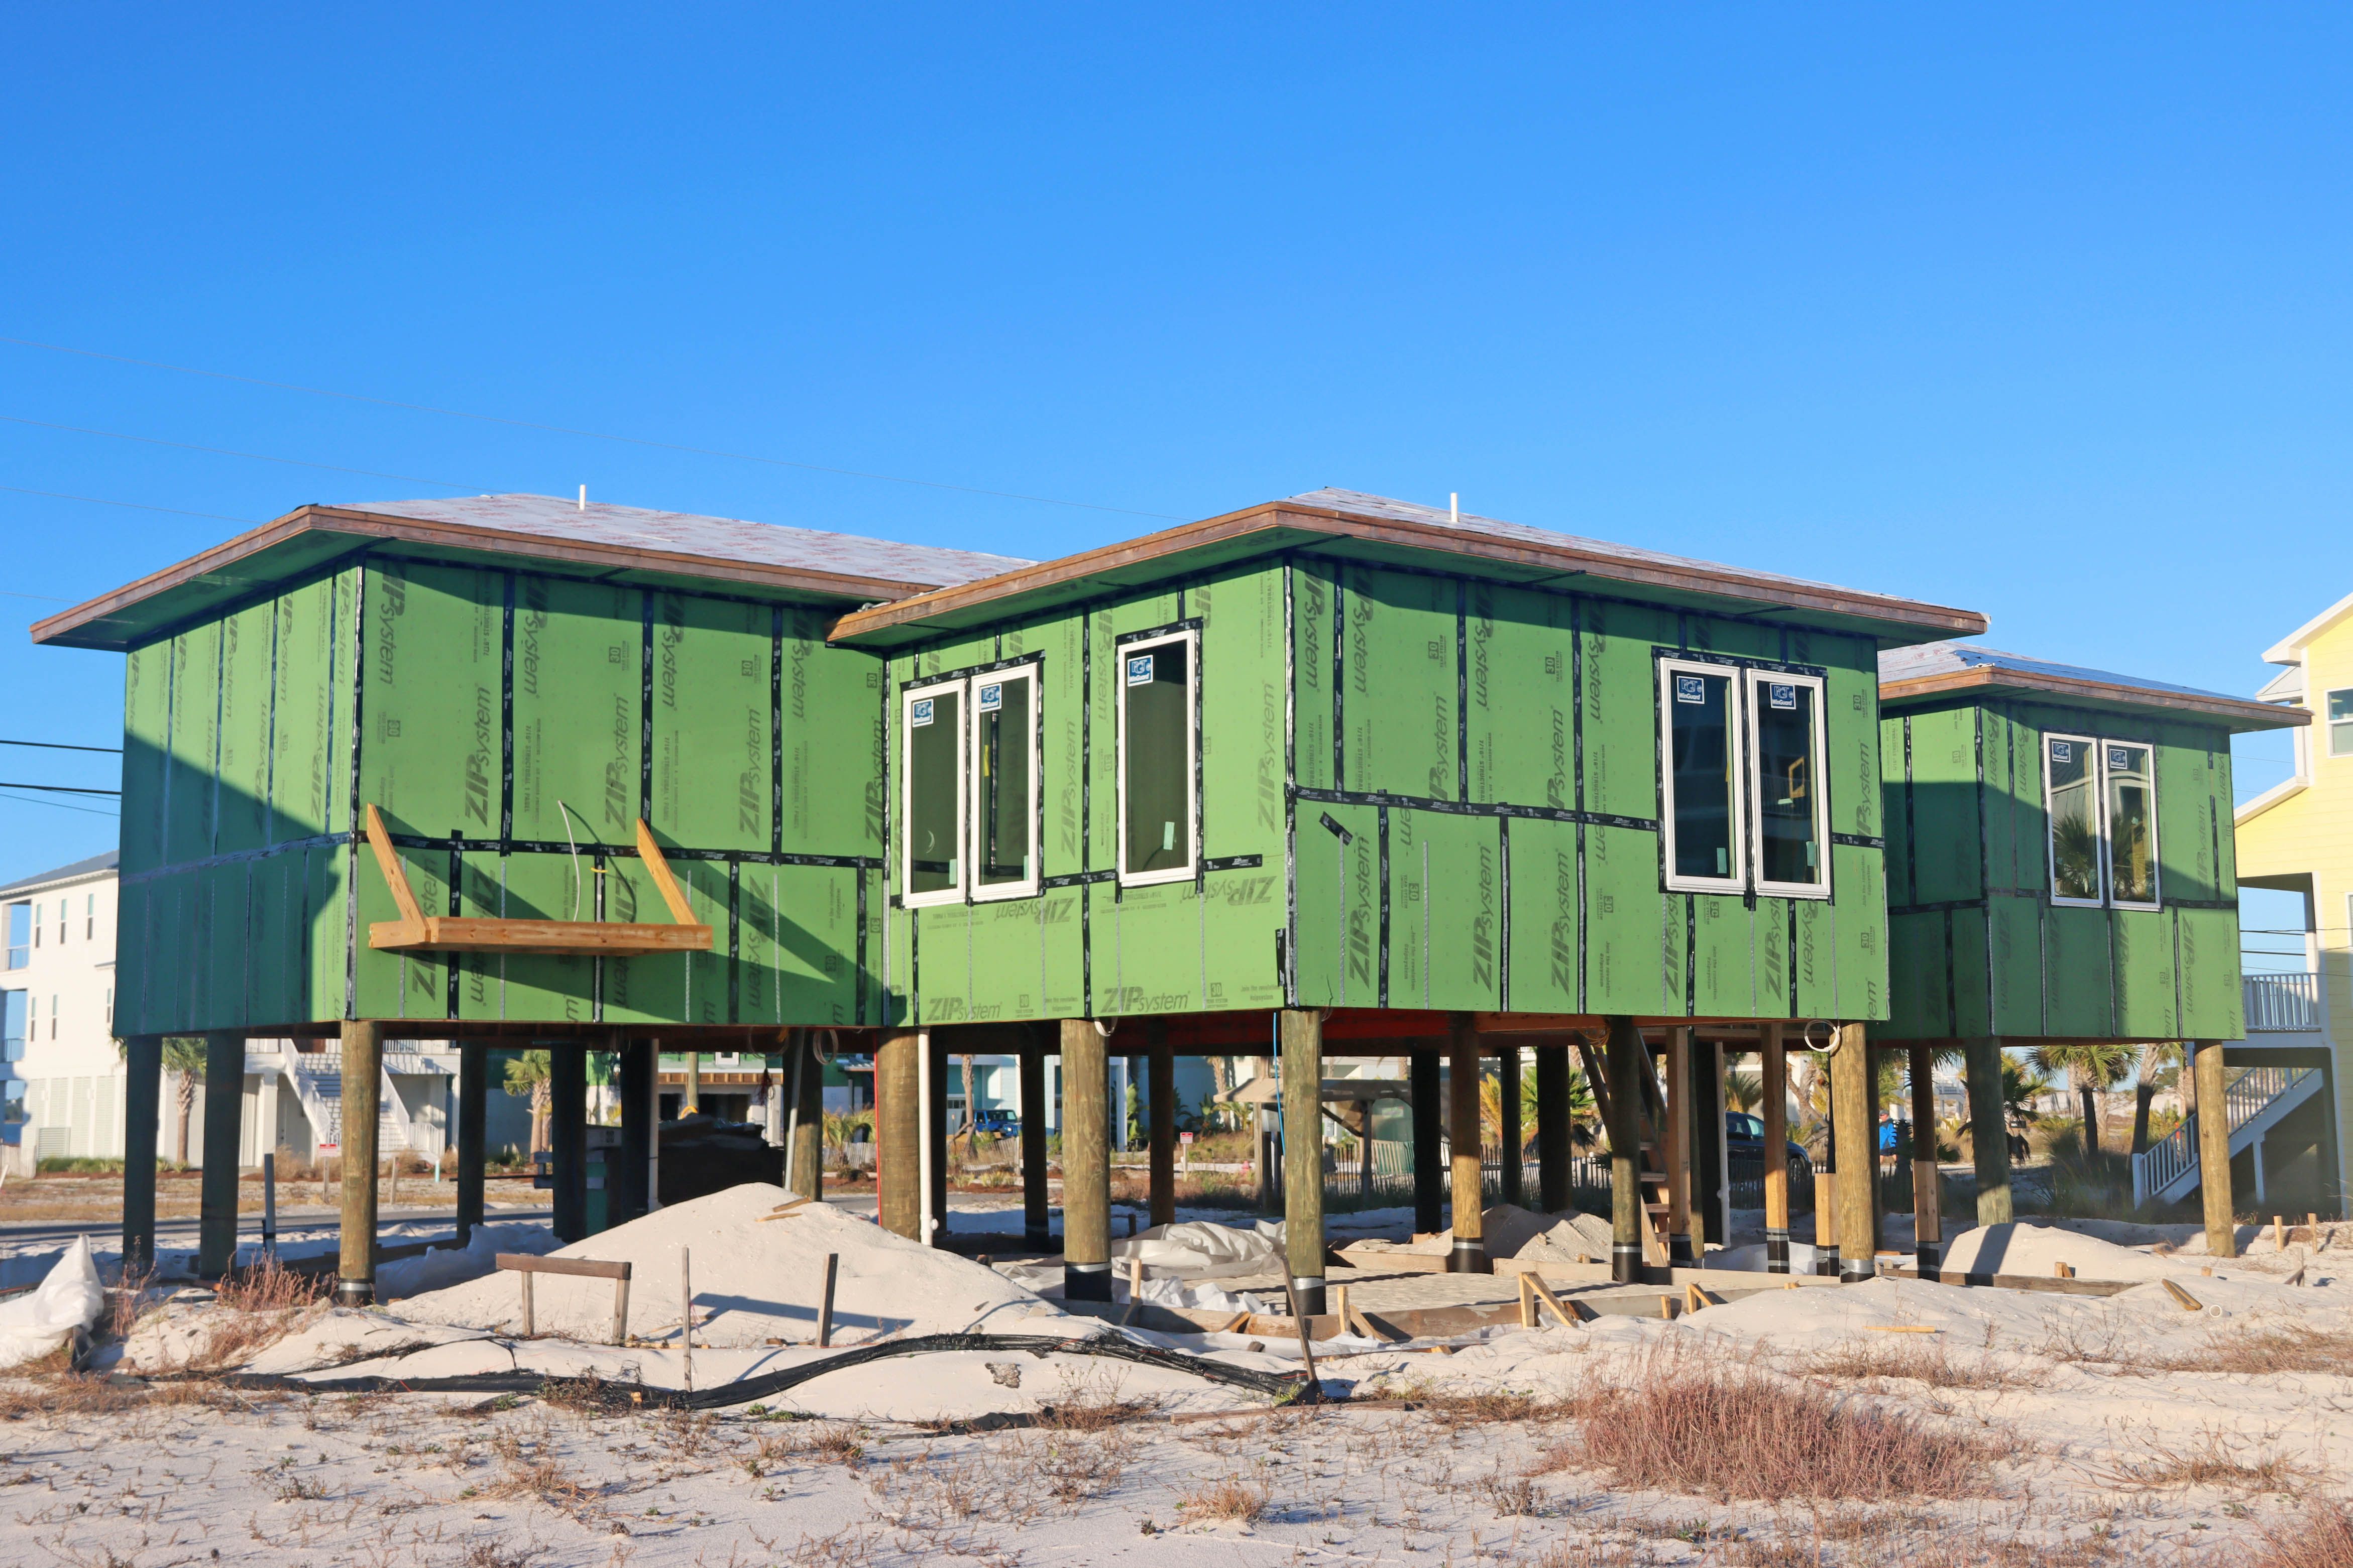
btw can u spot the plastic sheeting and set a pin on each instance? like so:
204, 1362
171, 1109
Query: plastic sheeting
68, 1301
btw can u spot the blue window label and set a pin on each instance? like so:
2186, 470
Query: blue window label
1782, 696
2119, 758
1139, 670
992, 697
2063, 751
1690, 688
919, 712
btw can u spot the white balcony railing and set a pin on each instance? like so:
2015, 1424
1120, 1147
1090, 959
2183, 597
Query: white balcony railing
2281, 1004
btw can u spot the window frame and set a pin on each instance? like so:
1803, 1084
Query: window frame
1034, 884
2097, 777
1737, 741
908, 697
17, 954
2329, 725
1126, 648
1757, 680
2107, 834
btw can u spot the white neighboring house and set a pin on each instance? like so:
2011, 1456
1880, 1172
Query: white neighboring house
62, 1082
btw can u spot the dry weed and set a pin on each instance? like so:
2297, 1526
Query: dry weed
1092, 1402
2323, 1538
1738, 1432
65, 1393
1228, 1500
826, 1442
492, 1555
1870, 1356
2215, 1460
1453, 1411
2263, 1351
269, 1287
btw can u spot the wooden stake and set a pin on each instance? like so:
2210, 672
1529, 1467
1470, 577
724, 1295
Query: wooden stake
2063, 1271
2279, 1233
1694, 1297
620, 1307
825, 1304
1528, 1301
1545, 1293
529, 1320
686, 1291
2182, 1298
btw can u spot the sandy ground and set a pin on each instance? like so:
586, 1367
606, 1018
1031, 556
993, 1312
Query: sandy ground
2126, 1429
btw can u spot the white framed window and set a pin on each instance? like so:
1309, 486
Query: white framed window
2339, 716
15, 1024
933, 865
20, 935
1159, 750
1004, 775
2101, 797
1792, 831
1700, 745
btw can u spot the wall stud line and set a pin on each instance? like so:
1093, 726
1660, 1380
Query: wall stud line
1577, 780
1504, 915
776, 735
645, 707
1381, 824
352, 865
1287, 964
1339, 684
506, 711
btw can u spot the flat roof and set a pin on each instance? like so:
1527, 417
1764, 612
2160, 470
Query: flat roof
1378, 529
1908, 674
633, 545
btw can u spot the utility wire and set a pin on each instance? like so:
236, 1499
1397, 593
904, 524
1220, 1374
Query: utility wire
257, 456
59, 789
591, 434
135, 506
60, 746
61, 805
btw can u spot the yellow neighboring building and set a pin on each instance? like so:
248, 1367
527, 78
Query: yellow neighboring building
2297, 837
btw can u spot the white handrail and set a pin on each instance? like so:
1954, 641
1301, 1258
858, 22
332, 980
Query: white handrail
2170, 1157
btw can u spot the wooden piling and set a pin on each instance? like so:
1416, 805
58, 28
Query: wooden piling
1622, 1062
1552, 1126
1160, 1093
1470, 1253
1853, 1112
1086, 1163
1988, 1131
1927, 1205
362, 1071
1773, 1079
898, 1133
223, 1113
2214, 1150
142, 1108
1302, 1036
473, 1094
1428, 1180
1037, 1215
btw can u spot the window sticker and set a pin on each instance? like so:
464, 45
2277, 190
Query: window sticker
1690, 688
2063, 751
919, 712
992, 697
1139, 670
1782, 696
2119, 758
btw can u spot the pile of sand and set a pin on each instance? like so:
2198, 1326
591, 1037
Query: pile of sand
1511, 1231
755, 1279
2036, 1249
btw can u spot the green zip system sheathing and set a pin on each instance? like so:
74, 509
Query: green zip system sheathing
511, 728
1417, 790
1979, 947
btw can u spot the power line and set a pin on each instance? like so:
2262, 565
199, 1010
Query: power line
257, 456
61, 746
59, 789
61, 805
135, 506
590, 434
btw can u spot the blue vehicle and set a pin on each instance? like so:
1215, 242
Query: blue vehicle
999, 1121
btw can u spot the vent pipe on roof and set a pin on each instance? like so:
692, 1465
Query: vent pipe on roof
1454, 506
584, 498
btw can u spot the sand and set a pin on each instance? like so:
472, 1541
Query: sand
755, 1279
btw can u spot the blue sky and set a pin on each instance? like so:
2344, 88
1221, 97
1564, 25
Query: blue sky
2045, 315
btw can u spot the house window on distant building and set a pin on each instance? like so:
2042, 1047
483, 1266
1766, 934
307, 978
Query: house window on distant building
90, 920
53, 1017
2340, 721
20, 934
14, 1006
65, 915
109, 1006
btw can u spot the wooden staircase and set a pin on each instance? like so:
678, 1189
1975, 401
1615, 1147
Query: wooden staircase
1650, 1160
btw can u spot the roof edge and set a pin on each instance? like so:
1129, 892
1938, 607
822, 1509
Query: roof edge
2247, 712
362, 524
2290, 648
1697, 577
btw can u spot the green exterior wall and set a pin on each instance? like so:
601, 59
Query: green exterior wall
1488, 756
1979, 948
497, 719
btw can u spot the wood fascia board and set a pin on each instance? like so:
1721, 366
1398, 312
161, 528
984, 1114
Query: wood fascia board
1563, 559
360, 524
2244, 713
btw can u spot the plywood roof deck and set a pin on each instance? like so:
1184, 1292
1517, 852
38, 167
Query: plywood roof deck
1367, 527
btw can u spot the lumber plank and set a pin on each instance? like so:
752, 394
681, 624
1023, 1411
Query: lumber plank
590, 937
589, 1268
659, 866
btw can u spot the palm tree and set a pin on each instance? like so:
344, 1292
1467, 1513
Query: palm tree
2091, 1067
528, 1073
1582, 1122
2160, 1065
184, 1058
